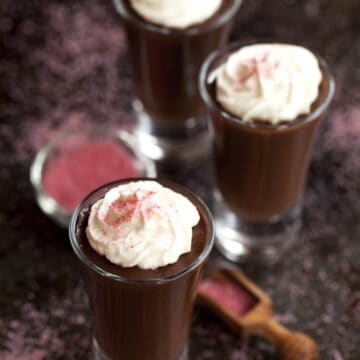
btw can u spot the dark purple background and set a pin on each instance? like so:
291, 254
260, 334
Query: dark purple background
64, 63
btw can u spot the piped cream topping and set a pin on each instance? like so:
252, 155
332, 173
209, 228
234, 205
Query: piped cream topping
176, 13
269, 82
142, 224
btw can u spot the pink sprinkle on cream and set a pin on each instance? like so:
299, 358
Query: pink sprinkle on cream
124, 210
260, 66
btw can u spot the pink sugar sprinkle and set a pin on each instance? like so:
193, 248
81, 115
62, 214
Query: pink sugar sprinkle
232, 296
125, 209
76, 172
260, 66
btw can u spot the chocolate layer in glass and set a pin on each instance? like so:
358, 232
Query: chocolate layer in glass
141, 314
261, 168
166, 61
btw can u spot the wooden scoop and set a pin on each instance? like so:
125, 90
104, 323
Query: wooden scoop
247, 309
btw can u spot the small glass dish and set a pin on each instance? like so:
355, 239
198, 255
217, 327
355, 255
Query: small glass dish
80, 144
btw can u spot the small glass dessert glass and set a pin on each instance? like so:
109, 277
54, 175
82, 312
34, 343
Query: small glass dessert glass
55, 189
166, 62
261, 171
141, 314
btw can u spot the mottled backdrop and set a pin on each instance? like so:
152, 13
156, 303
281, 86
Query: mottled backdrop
64, 63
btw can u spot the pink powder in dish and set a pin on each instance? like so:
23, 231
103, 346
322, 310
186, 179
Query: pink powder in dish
234, 297
71, 175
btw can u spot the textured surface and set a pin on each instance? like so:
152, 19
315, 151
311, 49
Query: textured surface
64, 63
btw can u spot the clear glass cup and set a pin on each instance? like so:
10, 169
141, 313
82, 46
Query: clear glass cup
68, 140
261, 171
141, 314
166, 62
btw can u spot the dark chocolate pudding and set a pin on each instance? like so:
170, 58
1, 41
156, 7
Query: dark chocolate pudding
166, 61
142, 314
261, 168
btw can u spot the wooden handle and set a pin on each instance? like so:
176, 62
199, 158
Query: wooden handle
290, 345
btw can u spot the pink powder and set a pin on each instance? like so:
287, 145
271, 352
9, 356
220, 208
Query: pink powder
69, 177
260, 66
126, 209
228, 294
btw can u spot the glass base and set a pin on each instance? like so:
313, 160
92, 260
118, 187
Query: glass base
189, 143
262, 241
99, 355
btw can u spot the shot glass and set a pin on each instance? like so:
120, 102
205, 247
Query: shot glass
166, 62
141, 314
261, 171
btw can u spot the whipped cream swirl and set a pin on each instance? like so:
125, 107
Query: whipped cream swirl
176, 13
270, 82
142, 224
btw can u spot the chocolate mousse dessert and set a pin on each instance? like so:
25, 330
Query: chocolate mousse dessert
167, 47
142, 246
266, 104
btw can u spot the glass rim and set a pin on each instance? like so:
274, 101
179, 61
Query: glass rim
156, 280
227, 50
48, 204
192, 30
